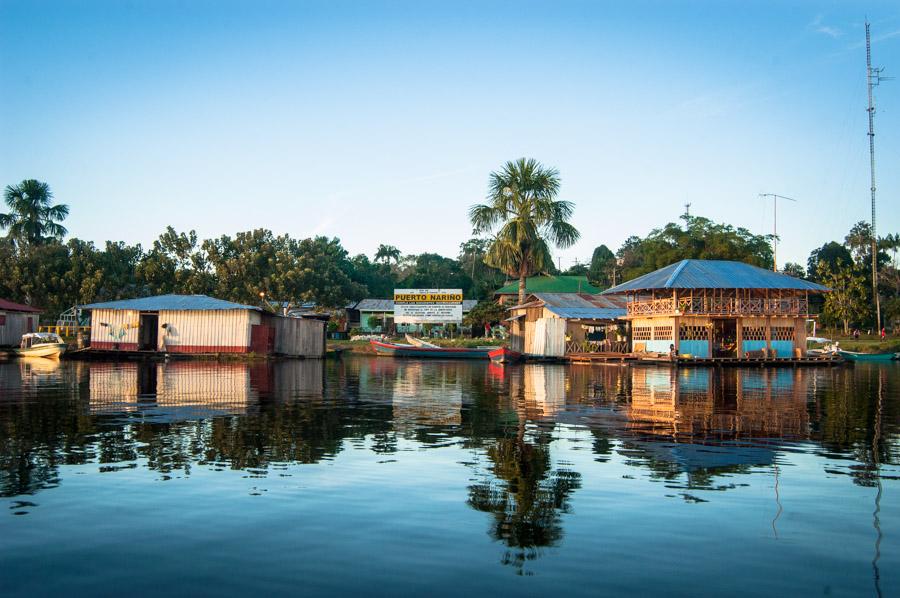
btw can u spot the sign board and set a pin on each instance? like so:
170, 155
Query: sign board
428, 306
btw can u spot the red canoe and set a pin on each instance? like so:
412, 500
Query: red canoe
504, 355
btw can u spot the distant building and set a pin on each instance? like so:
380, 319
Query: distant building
708, 308
509, 294
15, 320
556, 324
382, 310
196, 324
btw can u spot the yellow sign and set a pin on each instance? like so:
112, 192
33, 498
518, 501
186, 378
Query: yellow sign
428, 297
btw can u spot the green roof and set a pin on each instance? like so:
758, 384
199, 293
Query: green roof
551, 284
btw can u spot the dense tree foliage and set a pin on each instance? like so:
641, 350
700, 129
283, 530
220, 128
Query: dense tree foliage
698, 238
32, 218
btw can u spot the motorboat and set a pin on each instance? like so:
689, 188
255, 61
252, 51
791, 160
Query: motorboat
41, 344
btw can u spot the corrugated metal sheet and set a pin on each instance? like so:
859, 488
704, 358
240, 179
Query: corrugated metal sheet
172, 303
714, 274
15, 324
115, 327
299, 337
205, 331
582, 306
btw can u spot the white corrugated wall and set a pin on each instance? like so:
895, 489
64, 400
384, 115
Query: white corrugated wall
111, 327
15, 326
226, 330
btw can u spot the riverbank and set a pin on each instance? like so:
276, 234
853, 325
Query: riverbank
864, 344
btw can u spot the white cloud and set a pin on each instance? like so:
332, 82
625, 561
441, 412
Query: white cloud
818, 25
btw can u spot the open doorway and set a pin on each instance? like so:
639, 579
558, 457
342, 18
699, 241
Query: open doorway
725, 338
148, 332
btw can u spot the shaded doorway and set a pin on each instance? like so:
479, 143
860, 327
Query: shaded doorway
148, 332
725, 338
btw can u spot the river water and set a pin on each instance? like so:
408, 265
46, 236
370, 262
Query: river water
380, 476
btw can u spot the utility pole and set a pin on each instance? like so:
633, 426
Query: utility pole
687, 211
775, 197
873, 78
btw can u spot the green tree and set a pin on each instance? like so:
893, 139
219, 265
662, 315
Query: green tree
485, 279
485, 312
832, 254
603, 261
386, 253
32, 218
795, 270
847, 299
522, 203
431, 270
698, 238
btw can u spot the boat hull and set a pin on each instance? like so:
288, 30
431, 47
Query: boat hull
853, 356
504, 355
49, 350
392, 350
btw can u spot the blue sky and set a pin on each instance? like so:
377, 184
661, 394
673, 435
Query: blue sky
380, 122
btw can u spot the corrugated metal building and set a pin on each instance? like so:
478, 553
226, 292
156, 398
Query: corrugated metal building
554, 324
712, 308
15, 320
199, 324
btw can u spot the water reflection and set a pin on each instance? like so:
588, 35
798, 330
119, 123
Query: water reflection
688, 431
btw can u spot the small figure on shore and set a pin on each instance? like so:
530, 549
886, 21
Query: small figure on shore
672, 354
856, 333
883, 333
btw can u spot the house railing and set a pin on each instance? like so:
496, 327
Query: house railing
720, 306
606, 346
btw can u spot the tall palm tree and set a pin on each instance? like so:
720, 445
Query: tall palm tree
522, 202
32, 218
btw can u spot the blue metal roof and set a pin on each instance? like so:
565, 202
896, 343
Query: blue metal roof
714, 274
580, 306
171, 303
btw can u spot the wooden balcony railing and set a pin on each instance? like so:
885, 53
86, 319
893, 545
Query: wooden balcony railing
720, 306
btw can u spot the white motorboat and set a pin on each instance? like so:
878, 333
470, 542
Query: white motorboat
41, 344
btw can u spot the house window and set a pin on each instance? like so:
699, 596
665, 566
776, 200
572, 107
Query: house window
753, 333
662, 333
641, 333
2, 319
782, 333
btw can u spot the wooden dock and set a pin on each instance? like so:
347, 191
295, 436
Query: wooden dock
605, 357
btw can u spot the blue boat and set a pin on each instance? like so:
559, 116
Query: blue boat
854, 356
396, 350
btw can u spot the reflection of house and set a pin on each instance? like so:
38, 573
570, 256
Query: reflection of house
718, 309
16, 320
701, 403
176, 389
377, 315
554, 324
509, 294
201, 324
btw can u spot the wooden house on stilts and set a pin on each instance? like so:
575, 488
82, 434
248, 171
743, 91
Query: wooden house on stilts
718, 309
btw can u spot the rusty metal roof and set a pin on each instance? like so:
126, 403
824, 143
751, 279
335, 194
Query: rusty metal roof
10, 306
582, 306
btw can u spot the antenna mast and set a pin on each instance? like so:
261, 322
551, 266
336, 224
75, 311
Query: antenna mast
873, 78
775, 197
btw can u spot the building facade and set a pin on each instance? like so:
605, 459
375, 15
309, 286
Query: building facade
15, 320
556, 324
196, 324
712, 309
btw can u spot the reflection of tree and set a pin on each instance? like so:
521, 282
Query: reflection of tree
526, 496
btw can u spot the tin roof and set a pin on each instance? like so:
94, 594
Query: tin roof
384, 305
550, 284
10, 306
171, 303
714, 274
582, 306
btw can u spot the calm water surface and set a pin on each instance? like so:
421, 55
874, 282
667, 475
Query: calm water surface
380, 476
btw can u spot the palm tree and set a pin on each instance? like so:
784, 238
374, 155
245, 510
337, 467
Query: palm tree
386, 253
32, 219
522, 202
